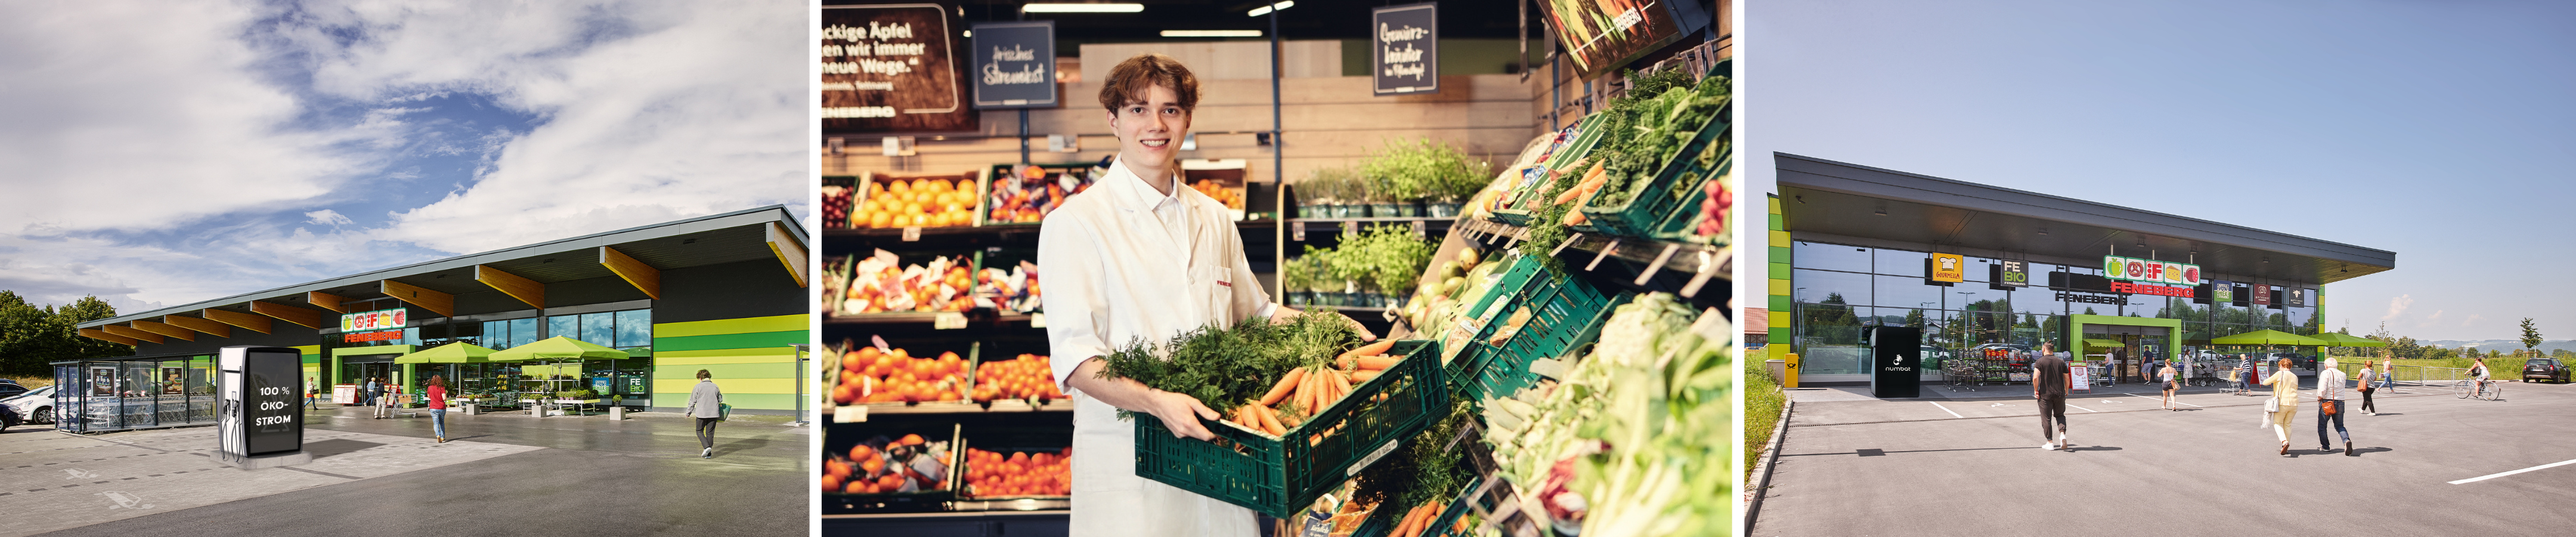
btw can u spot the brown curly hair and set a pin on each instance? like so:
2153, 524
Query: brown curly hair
1130, 79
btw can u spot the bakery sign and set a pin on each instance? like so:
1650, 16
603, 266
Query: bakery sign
2149, 270
374, 320
891, 68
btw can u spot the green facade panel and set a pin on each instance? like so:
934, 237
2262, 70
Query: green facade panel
732, 341
762, 401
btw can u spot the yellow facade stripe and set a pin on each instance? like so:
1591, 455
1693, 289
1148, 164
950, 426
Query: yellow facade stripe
682, 386
309, 349
1780, 238
1780, 287
1775, 205
773, 352
665, 359
747, 325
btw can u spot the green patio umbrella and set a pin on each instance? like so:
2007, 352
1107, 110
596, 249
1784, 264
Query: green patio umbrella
452, 353
2347, 340
557, 348
2269, 337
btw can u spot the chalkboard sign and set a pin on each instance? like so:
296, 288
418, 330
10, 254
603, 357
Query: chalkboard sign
1014, 64
1404, 49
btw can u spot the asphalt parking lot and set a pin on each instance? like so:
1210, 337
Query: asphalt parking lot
1972, 466
502, 475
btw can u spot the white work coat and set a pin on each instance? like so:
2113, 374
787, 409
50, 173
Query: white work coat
1122, 262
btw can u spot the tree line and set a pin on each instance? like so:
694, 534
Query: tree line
33, 336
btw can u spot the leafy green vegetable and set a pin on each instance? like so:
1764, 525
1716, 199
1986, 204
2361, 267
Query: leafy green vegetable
1422, 169
1426, 468
1226, 367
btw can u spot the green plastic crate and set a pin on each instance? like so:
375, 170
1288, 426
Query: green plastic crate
1586, 137
1282, 476
1379, 524
1561, 310
1657, 200
1677, 227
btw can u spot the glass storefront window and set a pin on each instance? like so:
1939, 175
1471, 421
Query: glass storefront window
1830, 256
635, 328
600, 328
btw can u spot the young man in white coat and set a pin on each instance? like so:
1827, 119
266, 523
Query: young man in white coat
1139, 255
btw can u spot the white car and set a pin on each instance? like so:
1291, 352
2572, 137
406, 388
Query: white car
35, 406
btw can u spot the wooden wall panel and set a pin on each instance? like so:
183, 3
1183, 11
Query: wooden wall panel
643, 276
526, 290
1329, 121
165, 330
442, 303
326, 301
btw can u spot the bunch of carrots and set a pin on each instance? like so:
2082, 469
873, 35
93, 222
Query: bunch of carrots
1591, 182
1418, 520
1307, 390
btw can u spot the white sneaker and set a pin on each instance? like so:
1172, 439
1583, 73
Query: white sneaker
2050, 447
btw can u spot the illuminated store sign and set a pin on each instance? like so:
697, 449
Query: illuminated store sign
2149, 270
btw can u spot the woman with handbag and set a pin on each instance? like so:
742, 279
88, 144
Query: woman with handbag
706, 404
2330, 407
2171, 378
2284, 403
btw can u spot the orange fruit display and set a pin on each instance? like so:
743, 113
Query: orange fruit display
1024, 377
992, 474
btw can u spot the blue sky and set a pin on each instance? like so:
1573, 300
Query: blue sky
2437, 130
159, 153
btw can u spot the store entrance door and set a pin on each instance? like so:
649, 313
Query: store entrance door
2129, 344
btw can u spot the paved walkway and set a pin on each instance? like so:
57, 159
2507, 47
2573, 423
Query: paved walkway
1972, 467
503, 474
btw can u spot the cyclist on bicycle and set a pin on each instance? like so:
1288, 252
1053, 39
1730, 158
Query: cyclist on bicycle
2478, 372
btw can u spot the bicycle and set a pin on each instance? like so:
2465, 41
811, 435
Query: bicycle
2474, 388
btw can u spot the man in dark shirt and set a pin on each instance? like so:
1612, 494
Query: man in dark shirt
2049, 380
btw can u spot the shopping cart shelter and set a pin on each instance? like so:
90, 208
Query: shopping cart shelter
1987, 274
636, 311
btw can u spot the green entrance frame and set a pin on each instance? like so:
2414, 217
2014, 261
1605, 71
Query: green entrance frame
396, 350
2075, 326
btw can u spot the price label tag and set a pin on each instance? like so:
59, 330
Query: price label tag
912, 234
1037, 320
1421, 230
1298, 231
948, 320
1350, 227
880, 343
1372, 458
850, 414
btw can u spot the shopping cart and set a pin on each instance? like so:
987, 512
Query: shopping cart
1962, 375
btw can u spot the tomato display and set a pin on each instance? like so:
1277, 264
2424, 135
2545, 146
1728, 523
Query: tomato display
870, 375
882, 284
991, 474
908, 464
1023, 377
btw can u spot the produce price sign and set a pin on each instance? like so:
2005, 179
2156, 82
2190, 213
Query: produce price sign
1014, 64
890, 68
1404, 49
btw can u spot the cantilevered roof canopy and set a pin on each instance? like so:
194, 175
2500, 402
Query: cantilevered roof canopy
638, 252
1827, 200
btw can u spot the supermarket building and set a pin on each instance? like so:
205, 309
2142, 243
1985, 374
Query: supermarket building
1979, 267
724, 293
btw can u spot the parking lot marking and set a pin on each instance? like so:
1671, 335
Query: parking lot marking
1953, 413
2497, 475
2176, 401
2083, 409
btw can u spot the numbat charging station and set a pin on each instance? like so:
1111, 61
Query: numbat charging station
259, 422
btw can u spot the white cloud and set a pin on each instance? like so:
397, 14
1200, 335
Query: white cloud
2473, 319
169, 166
164, 126
326, 217
2397, 306
686, 109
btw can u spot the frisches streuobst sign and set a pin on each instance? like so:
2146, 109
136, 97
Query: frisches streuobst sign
891, 68
1013, 64
1404, 49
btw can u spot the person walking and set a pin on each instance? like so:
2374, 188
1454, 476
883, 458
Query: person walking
2171, 377
437, 391
2369, 379
2284, 404
312, 389
385, 403
2049, 380
375, 390
2330, 406
706, 404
